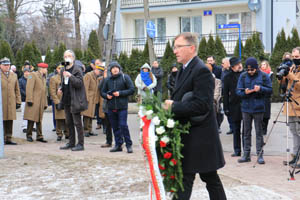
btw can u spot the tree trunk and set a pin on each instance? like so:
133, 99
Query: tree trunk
12, 20
77, 12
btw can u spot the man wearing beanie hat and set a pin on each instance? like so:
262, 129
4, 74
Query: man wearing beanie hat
60, 118
116, 90
252, 87
36, 102
11, 99
232, 101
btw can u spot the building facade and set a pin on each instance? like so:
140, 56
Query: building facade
172, 17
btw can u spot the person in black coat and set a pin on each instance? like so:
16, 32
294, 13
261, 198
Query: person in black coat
172, 78
232, 103
202, 149
158, 73
217, 71
22, 85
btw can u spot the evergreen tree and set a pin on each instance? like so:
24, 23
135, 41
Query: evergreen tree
295, 41
135, 63
19, 60
166, 64
78, 54
237, 50
289, 44
145, 54
28, 54
202, 49
210, 47
88, 56
123, 61
6, 51
93, 44
37, 53
220, 51
48, 60
248, 48
58, 54
258, 48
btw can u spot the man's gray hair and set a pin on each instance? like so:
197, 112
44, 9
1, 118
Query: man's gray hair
191, 38
71, 52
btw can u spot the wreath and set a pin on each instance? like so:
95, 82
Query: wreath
167, 141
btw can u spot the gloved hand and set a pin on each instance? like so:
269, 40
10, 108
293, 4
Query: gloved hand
29, 104
45, 107
18, 106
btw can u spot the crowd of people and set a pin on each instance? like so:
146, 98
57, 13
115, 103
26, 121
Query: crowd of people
78, 95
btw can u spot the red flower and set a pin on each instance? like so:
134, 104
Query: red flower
172, 177
167, 155
164, 175
171, 190
174, 161
161, 167
162, 144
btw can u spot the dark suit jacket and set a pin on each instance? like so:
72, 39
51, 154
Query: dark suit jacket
202, 149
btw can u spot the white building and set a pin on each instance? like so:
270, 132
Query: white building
204, 17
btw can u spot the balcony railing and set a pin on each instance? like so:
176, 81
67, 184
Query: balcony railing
140, 3
127, 44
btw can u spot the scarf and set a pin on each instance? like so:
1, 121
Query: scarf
146, 78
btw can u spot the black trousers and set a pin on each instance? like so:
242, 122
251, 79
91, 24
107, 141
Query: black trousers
108, 130
213, 185
74, 120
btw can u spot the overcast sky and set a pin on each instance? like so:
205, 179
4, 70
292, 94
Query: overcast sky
88, 19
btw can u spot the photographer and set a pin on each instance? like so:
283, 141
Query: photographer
73, 99
293, 109
116, 90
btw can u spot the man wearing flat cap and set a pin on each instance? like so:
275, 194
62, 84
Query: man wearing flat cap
91, 82
36, 101
60, 118
252, 87
11, 99
232, 101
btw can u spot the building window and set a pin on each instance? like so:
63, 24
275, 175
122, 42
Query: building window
191, 24
160, 32
234, 18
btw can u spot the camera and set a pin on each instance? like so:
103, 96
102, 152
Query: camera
283, 69
111, 92
65, 63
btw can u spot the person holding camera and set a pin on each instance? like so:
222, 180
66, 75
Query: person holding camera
11, 99
116, 90
36, 102
54, 86
252, 87
74, 100
292, 76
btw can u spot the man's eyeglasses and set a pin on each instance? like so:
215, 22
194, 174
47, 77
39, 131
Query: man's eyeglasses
180, 46
250, 70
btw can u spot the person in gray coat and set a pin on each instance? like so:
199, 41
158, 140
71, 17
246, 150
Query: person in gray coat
158, 73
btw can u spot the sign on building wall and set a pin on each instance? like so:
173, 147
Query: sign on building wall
207, 12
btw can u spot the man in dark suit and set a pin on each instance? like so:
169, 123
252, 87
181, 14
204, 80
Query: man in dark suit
202, 149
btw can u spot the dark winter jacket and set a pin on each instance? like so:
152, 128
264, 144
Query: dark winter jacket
171, 81
254, 102
217, 71
121, 83
158, 73
22, 85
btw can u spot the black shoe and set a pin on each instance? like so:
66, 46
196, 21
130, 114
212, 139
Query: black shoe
129, 150
42, 140
24, 130
66, 137
34, 129
245, 158
116, 149
58, 138
67, 146
29, 139
236, 155
229, 133
93, 134
10, 143
260, 160
291, 162
54, 129
87, 135
78, 147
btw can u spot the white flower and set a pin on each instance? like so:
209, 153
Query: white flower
149, 112
160, 130
142, 124
165, 139
141, 112
170, 123
156, 120
155, 138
